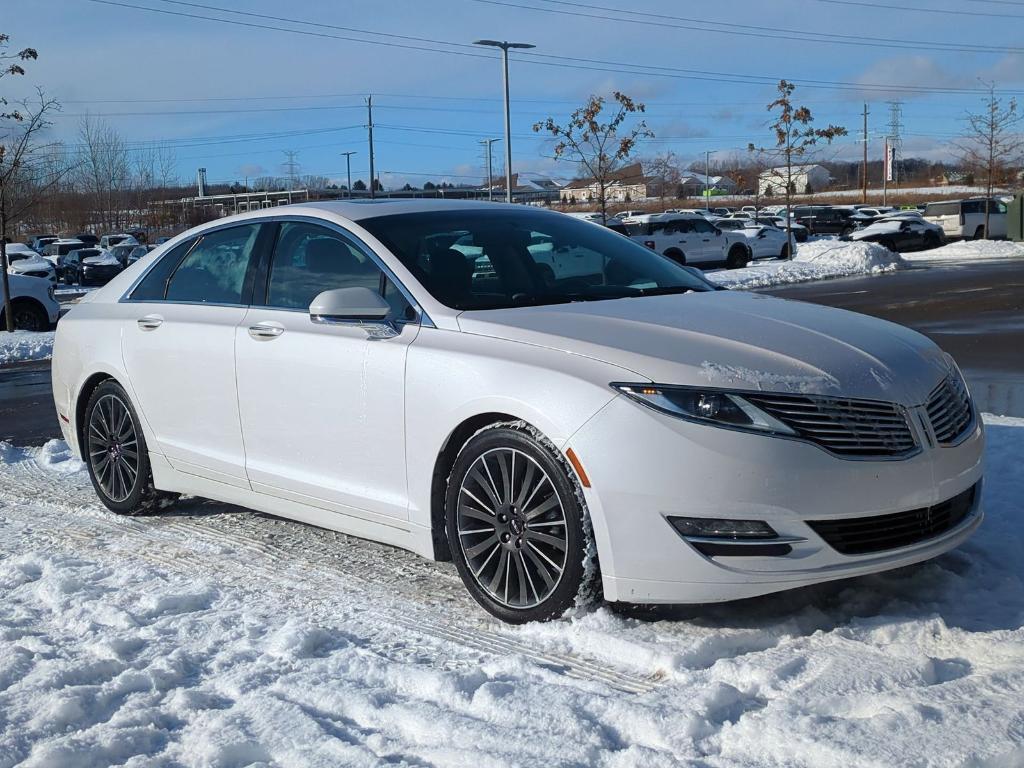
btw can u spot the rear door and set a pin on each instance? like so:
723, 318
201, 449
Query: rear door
179, 349
712, 243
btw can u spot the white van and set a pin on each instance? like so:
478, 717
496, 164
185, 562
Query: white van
689, 239
966, 218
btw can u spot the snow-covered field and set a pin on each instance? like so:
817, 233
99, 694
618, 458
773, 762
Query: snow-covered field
967, 250
25, 345
208, 635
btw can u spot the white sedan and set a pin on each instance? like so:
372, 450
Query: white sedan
607, 421
765, 240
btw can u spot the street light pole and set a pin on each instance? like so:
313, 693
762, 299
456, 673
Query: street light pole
505, 45
490, 183
348, 170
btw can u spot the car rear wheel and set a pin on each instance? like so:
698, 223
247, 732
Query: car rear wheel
738, 257
30, 317
116, 453
979, 233
931, 240
517, 528
784, 253
676, 255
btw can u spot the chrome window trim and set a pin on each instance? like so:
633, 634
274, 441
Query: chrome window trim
422, 318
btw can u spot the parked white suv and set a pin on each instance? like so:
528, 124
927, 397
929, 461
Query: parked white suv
35, 308
966, 218
689, 239
22, 260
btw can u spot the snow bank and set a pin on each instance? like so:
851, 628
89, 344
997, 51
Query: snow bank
815, 260
25, 345
211, 636
971, 249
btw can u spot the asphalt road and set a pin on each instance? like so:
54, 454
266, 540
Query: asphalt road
975, 311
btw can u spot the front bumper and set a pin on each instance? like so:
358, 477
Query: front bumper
99, 275
645, 467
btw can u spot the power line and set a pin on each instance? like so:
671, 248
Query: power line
551, 60
947, 11
750, 30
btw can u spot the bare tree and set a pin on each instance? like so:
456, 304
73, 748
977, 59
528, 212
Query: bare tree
794, 141
597, 147
992, 142
26, 174
664, 168
105, 170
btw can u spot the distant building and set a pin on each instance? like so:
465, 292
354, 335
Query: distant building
628, 184
806, 179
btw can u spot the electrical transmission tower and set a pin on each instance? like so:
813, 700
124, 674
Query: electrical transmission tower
291, 164
896, 138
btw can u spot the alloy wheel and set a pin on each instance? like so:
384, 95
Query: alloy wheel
512, 528
113, 448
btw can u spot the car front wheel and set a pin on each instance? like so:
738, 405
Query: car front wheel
517, 529
29, 317
115, 452
738, 257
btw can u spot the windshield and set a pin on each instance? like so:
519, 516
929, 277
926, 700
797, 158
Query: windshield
481, 259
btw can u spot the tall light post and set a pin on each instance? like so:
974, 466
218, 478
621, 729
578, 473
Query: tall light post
505, 45
490, 183
348, 170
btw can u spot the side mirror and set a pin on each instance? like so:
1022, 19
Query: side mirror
349, 304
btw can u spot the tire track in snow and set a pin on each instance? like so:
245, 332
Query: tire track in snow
388, 594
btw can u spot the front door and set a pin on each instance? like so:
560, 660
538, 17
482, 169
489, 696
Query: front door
323, 405
178, 344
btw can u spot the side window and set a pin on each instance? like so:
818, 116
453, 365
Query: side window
155, 282
972, 206
214, 271
703, 227
310, 259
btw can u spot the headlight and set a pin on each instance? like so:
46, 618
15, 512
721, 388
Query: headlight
705, 406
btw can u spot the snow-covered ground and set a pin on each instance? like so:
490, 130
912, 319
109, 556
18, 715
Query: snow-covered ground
208, 635
814, 260
968, 250
25, 345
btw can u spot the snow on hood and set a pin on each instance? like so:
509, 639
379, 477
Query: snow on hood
883, 227
29, 262
104, 259
733, 340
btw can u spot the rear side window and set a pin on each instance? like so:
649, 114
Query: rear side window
214, 271
942, 209
154, 283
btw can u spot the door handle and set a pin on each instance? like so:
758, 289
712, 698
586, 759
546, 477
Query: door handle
265, 331
150, 322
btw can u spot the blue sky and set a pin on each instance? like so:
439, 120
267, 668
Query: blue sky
233, 98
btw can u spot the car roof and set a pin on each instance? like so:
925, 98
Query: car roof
356, 210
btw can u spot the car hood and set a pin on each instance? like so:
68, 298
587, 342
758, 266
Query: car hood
732, 340
30, 264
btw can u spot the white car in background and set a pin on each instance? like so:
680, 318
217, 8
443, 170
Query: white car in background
35, 307
22, 260
339, 364
689, 239
965, 219
765, 240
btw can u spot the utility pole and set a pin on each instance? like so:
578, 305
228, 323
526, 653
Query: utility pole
885, 174
490, 184
348, 171
707, 180
369, 125
864, 166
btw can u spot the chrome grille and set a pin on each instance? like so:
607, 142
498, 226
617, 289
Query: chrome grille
949, 409
844, 426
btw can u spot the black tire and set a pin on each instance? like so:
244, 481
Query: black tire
888, 244
784, 253
507, 542
931, 240
847, 231
738, 257
117, 452
29, 316
676, 255
979, 233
